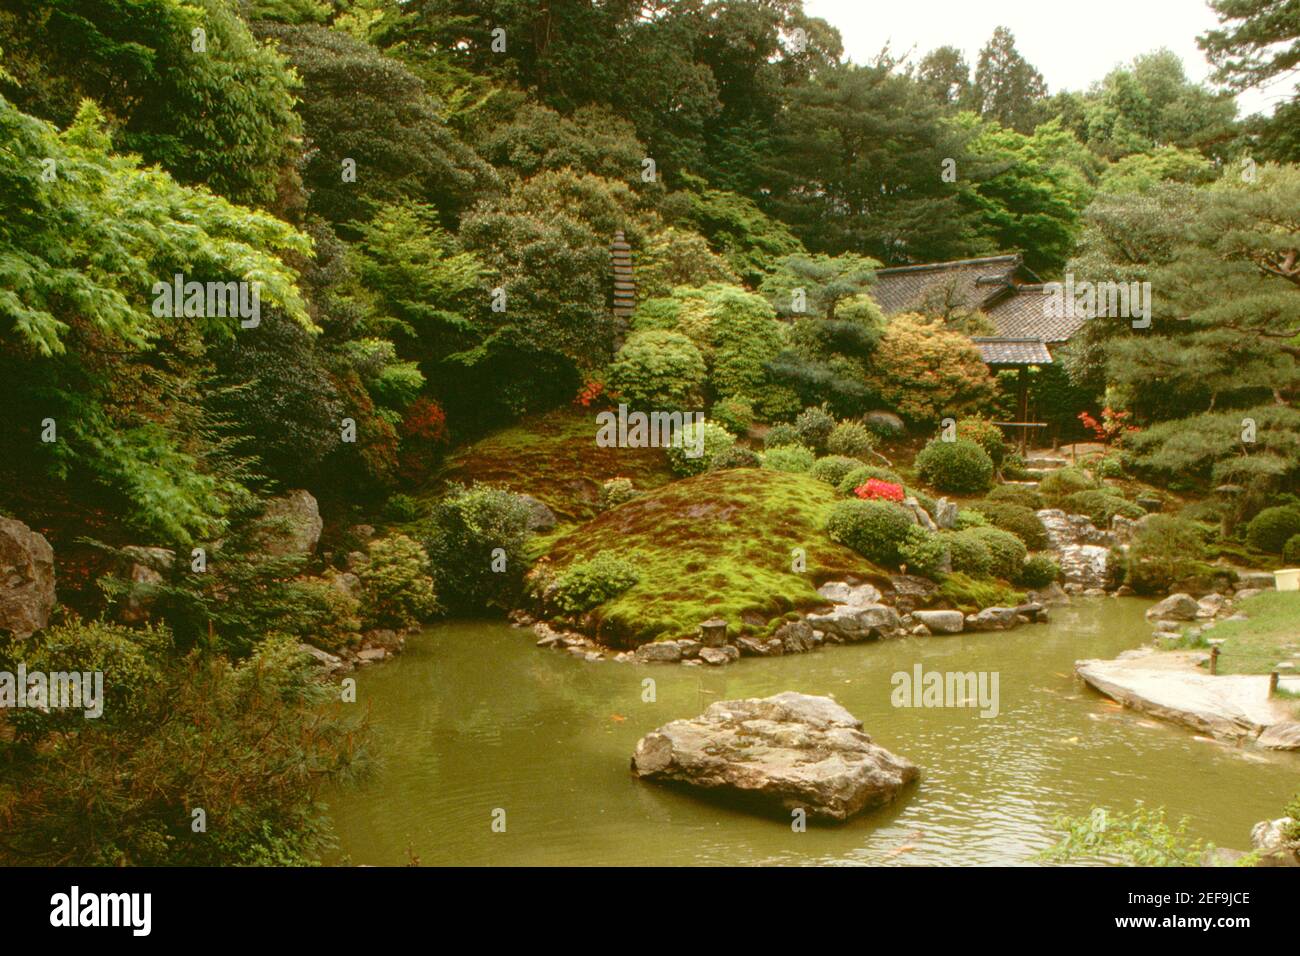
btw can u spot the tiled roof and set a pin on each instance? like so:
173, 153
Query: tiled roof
1027, 314
1013, 351
975, 283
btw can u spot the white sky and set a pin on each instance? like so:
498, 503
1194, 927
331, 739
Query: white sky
1071, 43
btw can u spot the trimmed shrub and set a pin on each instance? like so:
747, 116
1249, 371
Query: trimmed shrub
1017, 495
1007, 552
874, 529
734, 413
1164, 551
1057, 485
1291, 550
465, 528
398, 589
850, 439
984, 433
969, 554
1101, 506
833, 468
966, 518
657, 369
1019, 520
737, 456
712, 441
401, 508
924, 552
795, 459
617, 491
585, 584
960, 467
782, 434
1273, 527
1038, 571
861, 475
813, 426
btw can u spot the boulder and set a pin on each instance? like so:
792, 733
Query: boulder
919, 514
1176, 607
945, 514
1064, 530
1261, 580
1210, 606
885, 423
754, 647
147, 569
291, 524
848, 624
796, 637
717, 656
1032, 611
854, 595
782, 753
941, 622
540, 517
1270, 838
26, 578
1052, 594
659, 651
330, 663
993, 619
1281, 736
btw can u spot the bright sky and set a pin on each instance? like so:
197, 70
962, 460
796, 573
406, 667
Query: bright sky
1071, 43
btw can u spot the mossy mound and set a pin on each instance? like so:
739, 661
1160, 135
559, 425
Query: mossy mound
717, 545
554, 457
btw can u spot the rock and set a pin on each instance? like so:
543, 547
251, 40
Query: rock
796, 637
919, 514
992, 619
1033, 612
291, 524
1168, 627
369, 654
1124, 529
1262, 580
1246, 593
911, 591
782, 753
945, 514
659, 651
719, 655
1064, 530
357, 560
847, 624
540, 517
941, 622
1149, 504
885, 423
26, 579
689, 648
1281, 736
1276, 849
713, 632
1052, 594
147, 570
1210, 605
753, 647
346, 583
329, 662
1176, 607
854, 595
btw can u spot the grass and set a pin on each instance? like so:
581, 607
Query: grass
554, 457
717, 545
1271, 635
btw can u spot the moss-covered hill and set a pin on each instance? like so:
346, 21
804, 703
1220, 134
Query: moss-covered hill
554, 457
718, 545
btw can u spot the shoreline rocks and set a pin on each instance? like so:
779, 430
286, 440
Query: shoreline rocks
26, 579
782, 753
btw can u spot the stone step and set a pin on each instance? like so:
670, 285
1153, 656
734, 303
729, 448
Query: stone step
1043, 463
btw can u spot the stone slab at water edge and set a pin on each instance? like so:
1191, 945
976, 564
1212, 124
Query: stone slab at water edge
781, 753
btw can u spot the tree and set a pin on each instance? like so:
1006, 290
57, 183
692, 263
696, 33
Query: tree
925, 371
946, 74
816, 284
1007, 88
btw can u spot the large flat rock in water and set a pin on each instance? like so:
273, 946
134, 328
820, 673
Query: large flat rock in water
1169, 685
779, 753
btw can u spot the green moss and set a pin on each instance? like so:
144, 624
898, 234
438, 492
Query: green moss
554, 457
971, 594
716, 545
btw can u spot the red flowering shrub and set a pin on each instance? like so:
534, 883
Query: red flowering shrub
592, 389
425, 421
875, 489
1112, 426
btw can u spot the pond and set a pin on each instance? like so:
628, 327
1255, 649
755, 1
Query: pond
473, 719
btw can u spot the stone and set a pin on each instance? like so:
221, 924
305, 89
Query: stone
1270, 838
847, 624
754, 647
945, 514
689, 648
1255, 579
1052, 594
291, 524
796, 637
854, 595
911, 591
718, 656
713, 632
992, 619
1281, 736
1246, 593
329, 662
148, 568
1150, 504
781, 753
1124, 529
941, 622
1176, 607
26, 579
1033, 612
919, 514
886, 423
1210, 605
660, 652
540, 517
1168, 627
372, 653
346, 583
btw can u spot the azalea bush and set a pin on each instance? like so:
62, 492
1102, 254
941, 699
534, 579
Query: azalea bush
874, 489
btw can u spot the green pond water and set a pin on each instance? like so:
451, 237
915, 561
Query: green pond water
473, 718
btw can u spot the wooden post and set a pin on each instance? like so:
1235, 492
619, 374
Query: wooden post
1272, 684
1214, 660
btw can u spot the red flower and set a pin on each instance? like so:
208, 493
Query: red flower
876, 489
591, 390
425, 421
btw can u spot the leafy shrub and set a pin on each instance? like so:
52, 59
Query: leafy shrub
781, 434
398, 589
1273, 527
316, 611
657, 369
926, 371
465, 529
1164, 551
1291, 550
833, 468
1019, 520
961, 466
969, 554
1057, 485
968, 518
1007, 553
585, 584
401, 508
874, 529
1038, 571
737, 456
1111, 466
617, 491
1017, 495
850, 439
734, 413
861, 475
1101, 506
814, 426
924, 552
984, 433
710, 439
795, 459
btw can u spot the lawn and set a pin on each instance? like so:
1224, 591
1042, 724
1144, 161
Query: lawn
1271, 635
